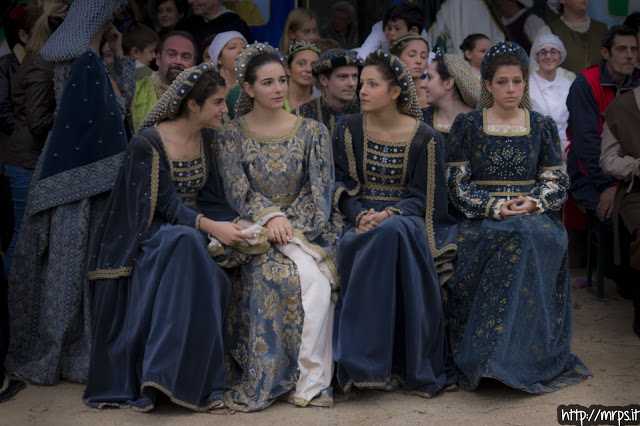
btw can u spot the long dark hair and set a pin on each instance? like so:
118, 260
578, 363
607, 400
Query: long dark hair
208, 84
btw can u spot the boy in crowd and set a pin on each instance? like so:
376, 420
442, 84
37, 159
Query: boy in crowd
401, 18
140, 42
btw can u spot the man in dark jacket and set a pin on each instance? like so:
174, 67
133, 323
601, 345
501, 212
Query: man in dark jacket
589, 95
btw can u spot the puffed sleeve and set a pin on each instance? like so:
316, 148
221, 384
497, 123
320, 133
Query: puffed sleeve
551, 180
465, 196
310, 211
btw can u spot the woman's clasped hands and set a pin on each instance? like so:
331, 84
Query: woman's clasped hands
372, 219
518, 206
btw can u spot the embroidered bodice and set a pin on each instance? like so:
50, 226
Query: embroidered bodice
189, 177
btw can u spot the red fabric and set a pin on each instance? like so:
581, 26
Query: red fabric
603, 96
574, 218
17, 13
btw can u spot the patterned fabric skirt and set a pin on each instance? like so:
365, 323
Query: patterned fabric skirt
270, 343
510, 306
49, 295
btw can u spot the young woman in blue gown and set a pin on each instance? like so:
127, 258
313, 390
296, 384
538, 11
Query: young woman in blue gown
159, 298
398, 241
278, 173
509, 302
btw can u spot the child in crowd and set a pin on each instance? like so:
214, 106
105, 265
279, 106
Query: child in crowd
401, 18
140, 42
301, 25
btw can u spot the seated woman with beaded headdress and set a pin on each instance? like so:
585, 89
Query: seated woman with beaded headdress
509, 302
399, 240
277, 170
159, 298
451, 90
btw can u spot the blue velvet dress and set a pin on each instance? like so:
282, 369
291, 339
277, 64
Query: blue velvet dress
429, 115
159, 298
509, 305
389, 319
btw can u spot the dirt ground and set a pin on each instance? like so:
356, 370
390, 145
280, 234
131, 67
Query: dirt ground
602, 338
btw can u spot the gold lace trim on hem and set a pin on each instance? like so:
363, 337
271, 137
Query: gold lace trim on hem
270, 139
322, 399
516, 130
418, 393
110, 274
552, 168
177, 401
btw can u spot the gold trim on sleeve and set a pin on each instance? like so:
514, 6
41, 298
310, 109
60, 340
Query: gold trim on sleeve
269, 210
487, 211
362, 213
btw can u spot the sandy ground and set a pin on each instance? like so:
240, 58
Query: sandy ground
602, 338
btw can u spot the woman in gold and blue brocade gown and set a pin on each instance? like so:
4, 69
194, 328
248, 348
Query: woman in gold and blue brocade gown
509, 304
278, 173
399, 240
159, 298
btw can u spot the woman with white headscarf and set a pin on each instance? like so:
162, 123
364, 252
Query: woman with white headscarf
225, 49
548, 89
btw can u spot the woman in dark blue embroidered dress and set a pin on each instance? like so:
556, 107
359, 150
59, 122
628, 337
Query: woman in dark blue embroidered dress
509, 302
159, 298
398, 242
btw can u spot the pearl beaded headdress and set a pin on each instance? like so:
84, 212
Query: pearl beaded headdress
245, 103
